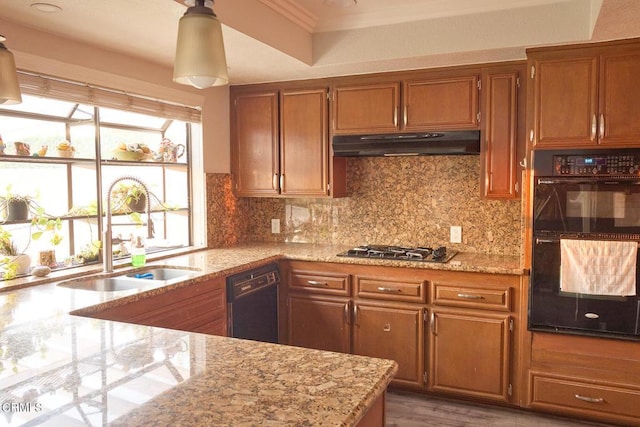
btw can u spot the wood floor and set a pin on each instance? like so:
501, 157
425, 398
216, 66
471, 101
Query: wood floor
416, 410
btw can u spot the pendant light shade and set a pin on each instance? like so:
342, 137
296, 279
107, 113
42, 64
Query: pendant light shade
200, 59
9, 87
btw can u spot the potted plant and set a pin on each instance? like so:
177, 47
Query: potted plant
11, 260
127, 197
15, 206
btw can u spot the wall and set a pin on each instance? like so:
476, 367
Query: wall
404, 200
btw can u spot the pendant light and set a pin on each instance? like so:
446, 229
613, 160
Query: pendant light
9, 87
200, 60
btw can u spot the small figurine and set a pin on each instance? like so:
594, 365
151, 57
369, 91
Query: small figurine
42, 151
2, 146
22, 149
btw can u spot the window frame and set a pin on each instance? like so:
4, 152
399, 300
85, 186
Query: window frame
73, 92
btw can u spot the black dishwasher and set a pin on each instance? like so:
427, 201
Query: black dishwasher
252, 304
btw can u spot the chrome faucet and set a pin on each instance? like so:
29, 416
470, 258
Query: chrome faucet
107, 251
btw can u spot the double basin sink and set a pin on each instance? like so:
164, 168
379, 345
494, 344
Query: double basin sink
131, 280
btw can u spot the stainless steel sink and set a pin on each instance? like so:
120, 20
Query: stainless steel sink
107, 284
134, 279
161, 273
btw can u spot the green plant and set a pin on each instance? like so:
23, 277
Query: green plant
9, 250
13, 200
89, 252
42, 223
126, 194
7, 245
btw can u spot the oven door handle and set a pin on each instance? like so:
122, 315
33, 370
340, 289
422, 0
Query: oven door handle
538, 241
594, 180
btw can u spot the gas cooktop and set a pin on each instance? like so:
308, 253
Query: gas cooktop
420, 253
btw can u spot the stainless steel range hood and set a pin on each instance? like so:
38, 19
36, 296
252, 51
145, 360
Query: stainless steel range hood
408, 144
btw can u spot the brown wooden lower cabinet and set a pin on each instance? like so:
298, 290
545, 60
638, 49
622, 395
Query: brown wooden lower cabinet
580, 397
586, 377
469, 353
395, 333
319, 322
200, 307
464, 348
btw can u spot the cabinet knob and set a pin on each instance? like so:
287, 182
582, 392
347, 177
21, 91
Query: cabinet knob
594, 127
274, 181
602, 128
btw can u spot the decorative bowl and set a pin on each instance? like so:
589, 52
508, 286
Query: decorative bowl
65, 153
128, 155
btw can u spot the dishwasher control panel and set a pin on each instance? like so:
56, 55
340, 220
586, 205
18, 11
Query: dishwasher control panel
250, 281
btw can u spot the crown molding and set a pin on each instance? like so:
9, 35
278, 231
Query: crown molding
294, 12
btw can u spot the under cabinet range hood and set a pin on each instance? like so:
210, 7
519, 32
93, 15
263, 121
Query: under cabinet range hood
408, 144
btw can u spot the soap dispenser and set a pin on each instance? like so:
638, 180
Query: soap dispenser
138, 255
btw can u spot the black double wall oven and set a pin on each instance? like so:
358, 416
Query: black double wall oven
583, 195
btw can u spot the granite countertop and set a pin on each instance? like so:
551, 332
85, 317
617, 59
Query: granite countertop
61, 369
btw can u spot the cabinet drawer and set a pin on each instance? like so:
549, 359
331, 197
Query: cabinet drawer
483, 298
567, 394
369, 287
317, 282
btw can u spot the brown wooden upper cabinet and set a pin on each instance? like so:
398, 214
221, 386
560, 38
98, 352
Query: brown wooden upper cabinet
503, 129
255, 147
367, 108
280, 143
441, 104
585, 96
428, 103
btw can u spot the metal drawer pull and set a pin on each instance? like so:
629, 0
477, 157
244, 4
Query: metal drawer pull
383, 289
346, 313
469, 296
589, 399
316, 283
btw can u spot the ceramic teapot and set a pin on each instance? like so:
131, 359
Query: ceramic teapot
169, 151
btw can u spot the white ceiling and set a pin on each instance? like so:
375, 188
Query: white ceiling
269, 40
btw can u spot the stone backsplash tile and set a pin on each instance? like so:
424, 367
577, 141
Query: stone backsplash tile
402, 200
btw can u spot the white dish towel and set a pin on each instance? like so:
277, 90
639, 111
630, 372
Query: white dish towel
598, 267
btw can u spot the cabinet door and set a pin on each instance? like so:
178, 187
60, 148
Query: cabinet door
320, 323
304, 145
469, 354
619, 119
440, 104
392, 333
200, 307
255, 144
500, 133
565, 101
366, 108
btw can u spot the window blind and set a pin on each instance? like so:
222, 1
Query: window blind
84, 93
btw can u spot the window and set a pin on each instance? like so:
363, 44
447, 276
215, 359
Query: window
63, 156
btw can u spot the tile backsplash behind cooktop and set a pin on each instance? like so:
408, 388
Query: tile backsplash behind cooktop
403, 200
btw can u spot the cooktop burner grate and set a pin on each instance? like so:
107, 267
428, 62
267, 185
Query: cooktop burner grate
420, 253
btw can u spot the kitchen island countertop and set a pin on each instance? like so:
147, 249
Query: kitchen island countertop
60, 369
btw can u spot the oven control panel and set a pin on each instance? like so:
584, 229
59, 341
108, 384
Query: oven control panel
600, 164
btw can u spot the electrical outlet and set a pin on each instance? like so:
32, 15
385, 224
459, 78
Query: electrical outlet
455, 234
275, 226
